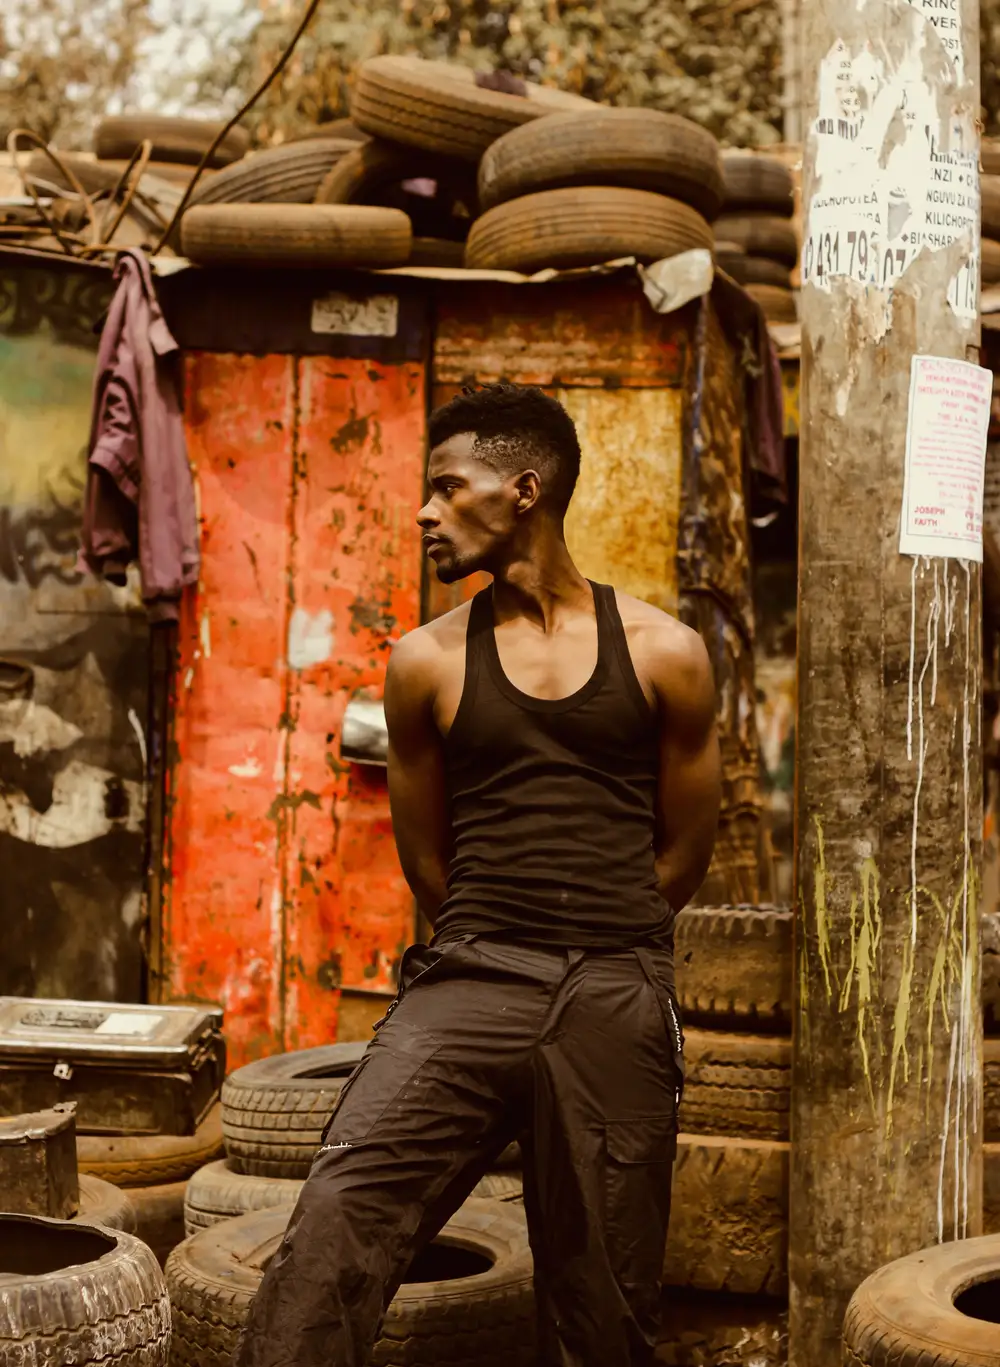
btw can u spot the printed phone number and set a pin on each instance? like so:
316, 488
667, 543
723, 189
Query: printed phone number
858, 254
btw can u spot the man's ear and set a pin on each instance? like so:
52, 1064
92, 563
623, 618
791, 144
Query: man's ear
529, 490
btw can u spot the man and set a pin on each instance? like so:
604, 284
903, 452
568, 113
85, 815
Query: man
554, 779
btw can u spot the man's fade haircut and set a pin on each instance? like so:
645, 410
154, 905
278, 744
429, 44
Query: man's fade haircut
517, 427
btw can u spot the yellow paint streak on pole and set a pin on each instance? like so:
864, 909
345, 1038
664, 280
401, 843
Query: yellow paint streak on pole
822, 913
900, 1029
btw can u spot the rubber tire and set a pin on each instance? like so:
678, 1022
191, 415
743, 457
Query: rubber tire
734, 967
757, 182
366, 165
95, 176
583, 227
990, 931
213, 1277
218, 1192
990, 190
779, 306
103, 1204
639, 149
179, 140
278, 175
760, 235
990, 262
111, 1309
738, 1085
296, 235
128, 1161
438, 107
274, 1111
702, 1330
159, 1216
991, 1088
904, 1315
437, 251
729, 1216
754, 270
333, 128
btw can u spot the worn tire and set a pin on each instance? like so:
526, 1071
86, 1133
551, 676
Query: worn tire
103, 1204
178, 140
486, 1319
438, 107
729, 1216
333, 128
778, 306
738, 1085
274, 1111
905, 1315
703, 1330
991, 1088
159, 1216
756, 182
95, 176
278, 175
437, 251
130, 1161
734, 967
753, 270
990, 932
366, 165
105, 1301
307, 235
583, 227
218, 1192
760, 235
989, 187
990, 262
639, 149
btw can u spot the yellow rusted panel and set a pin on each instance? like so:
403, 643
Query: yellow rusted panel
622, 523
790, 395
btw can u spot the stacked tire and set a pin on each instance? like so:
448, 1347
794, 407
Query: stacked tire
755, 236
727, 1251
144, 1177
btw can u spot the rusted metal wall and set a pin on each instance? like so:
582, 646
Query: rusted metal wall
283, 898
73, 665
660, 509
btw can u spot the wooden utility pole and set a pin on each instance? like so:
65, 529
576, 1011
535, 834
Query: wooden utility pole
886, 1108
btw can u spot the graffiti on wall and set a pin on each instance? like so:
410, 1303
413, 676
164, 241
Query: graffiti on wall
72, 666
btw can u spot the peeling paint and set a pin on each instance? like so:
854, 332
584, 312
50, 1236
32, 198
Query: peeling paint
310, 638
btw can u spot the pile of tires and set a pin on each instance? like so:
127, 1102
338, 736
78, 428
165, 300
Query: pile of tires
727, 1249
940, 1306
146, 1177
72, 1293
756, 240
273, 1115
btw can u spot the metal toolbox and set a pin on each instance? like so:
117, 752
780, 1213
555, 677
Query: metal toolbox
130, 1069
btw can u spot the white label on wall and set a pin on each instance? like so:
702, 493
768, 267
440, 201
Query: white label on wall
945, 468
892, 180
341, 315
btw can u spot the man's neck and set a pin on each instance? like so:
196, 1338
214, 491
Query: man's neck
540, 586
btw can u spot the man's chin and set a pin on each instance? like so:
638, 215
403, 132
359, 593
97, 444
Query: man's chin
451, 571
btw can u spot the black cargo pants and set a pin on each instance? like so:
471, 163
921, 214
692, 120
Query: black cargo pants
576, 1053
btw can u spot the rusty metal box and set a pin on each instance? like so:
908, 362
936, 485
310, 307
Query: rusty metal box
38, 1171
130, 1069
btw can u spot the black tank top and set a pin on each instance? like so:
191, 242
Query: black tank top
552, 802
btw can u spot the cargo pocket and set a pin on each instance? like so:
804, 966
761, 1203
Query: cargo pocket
639, 1157
393, 1061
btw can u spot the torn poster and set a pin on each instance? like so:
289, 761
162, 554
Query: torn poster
945, 466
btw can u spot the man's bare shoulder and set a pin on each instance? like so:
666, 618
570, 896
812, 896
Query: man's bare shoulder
422, 652
661, 638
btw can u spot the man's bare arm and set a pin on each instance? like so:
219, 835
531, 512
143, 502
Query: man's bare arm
417, 790
690, 787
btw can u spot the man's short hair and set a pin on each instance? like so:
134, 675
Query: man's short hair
517, 427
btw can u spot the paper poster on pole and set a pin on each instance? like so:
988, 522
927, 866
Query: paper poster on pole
945, 466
